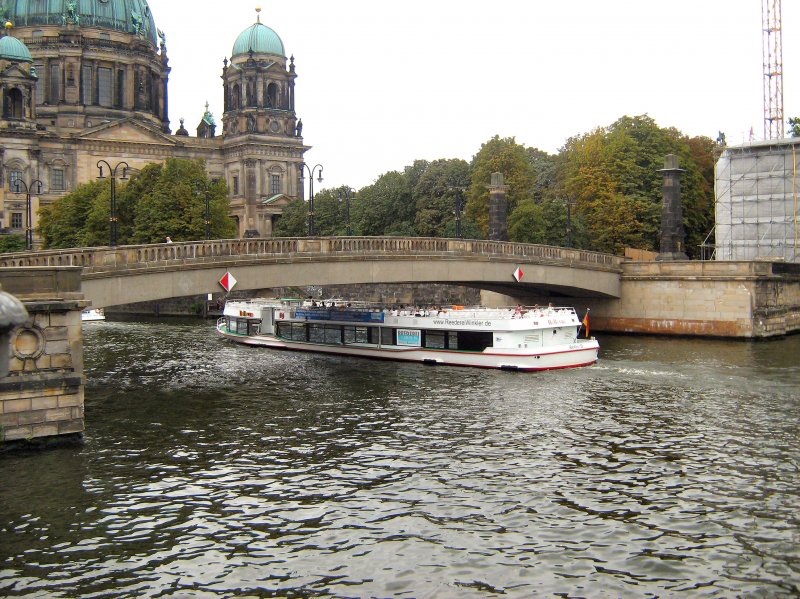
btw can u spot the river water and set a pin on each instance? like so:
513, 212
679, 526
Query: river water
669, 469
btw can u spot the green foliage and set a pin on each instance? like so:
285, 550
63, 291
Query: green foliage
63, 224
160, 201
437, 189
385, 207
174, 205
512, 160
612, 175
548, 222
12, 243
794, 123
294, 220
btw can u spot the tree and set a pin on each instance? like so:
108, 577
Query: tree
385, 207
174, 205
12, 243
63, 223
612, 175
294, 220
435, 194
505, 156
794, 123
160, 201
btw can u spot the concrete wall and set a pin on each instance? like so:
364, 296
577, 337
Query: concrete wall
43, 394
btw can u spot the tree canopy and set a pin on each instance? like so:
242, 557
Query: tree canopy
162, 200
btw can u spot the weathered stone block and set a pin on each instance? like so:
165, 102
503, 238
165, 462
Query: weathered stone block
44, 403
45, 430
61, 361
57, 347
18, 433
56, 333
68, 401
32, 417
17, 405
59, 414
71, 426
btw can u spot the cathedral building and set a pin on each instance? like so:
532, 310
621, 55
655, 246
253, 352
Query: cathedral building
85, 86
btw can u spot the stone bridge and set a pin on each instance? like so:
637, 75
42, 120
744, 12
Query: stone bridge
121, 275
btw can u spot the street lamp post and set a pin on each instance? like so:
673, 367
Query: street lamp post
569, 224
208, 216
304, 167
113, 220
347, 195
18, 183
459, 207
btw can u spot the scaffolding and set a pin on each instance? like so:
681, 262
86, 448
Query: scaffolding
756, 202
772, 52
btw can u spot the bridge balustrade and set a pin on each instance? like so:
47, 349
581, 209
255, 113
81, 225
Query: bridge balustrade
104, 259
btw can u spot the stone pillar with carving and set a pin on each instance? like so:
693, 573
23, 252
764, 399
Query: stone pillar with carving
498, 206
42, 378
673, 235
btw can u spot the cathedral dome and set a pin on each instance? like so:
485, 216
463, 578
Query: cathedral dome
129, 16
13, 49
259, 39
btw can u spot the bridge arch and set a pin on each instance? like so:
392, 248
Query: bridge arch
128, 274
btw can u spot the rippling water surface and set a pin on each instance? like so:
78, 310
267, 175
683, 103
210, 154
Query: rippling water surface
672, 468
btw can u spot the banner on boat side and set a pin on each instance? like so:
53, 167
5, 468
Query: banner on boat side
409, 337
227, 281
518, 274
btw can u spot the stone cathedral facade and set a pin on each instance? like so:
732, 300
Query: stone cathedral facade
84, 81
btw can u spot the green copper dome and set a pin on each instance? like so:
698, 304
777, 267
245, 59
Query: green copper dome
130, 16
259, 39
13, 49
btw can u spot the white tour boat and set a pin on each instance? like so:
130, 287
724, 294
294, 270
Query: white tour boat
511, 339
91, 314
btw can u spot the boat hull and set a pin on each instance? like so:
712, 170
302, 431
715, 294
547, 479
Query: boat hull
572, 355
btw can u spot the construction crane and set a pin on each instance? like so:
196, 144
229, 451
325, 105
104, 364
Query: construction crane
772, 50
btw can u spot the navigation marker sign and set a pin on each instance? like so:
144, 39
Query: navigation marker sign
518, 274
227, 281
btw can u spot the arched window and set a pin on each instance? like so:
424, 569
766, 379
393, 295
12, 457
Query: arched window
13, 104
235, 97
272, 96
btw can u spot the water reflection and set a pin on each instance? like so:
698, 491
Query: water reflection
211, 469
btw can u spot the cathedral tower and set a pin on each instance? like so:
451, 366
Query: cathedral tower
263, 141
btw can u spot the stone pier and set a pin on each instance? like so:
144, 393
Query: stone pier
734, 299
42, 396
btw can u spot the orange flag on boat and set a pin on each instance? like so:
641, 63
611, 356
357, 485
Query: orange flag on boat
586, 322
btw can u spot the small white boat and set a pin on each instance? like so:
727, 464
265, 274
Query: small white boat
519, 338
92, 314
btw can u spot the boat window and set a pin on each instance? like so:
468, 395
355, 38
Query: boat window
357, 334
316, 333
452, 340
474, 340
387, 336
434, 339
241, 326
284, 330
298, 331
333, 335
374, 335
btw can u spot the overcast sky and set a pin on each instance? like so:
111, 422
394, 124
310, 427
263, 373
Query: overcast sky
381, 83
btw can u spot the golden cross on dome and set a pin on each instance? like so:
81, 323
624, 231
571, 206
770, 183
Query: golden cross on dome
258, 14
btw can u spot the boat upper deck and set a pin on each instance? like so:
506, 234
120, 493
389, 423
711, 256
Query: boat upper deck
445, 317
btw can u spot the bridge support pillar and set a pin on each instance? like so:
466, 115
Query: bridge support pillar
42, 397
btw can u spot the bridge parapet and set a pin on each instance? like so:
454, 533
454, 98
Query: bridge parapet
104, 259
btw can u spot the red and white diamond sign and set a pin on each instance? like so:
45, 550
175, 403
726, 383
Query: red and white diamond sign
518, 274
227, 281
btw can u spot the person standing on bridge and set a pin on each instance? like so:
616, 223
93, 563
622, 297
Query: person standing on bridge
169, 239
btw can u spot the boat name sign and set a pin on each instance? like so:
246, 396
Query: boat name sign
464, 323
409, 337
